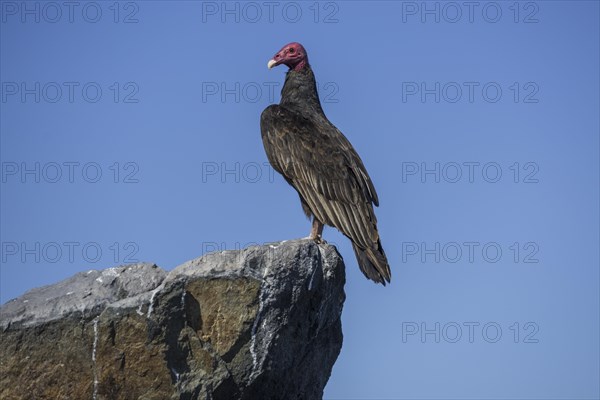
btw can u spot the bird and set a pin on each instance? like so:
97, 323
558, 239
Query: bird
317, 160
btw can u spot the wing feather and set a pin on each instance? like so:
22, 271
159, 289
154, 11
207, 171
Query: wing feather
321, 164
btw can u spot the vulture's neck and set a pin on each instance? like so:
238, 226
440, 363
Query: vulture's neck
299, 92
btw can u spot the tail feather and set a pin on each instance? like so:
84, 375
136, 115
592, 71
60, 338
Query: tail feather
373, 263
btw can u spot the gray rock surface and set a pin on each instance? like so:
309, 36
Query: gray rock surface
83, 295
259, 323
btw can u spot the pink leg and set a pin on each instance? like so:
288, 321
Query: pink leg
317, 231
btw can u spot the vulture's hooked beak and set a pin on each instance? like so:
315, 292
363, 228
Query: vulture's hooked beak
272, 63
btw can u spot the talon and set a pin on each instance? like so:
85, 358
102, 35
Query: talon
319, 240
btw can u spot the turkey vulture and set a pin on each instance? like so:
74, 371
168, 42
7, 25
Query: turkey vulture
320, 163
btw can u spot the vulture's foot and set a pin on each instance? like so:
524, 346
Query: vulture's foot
318, 239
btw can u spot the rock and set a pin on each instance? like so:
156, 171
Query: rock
259, 323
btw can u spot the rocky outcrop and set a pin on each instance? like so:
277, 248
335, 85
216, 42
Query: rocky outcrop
259, 323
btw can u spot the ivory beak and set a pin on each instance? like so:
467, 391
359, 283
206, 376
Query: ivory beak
271, 64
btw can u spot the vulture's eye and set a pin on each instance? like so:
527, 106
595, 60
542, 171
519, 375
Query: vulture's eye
291, 50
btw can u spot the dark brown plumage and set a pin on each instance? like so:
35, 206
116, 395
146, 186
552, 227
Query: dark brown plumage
320, 163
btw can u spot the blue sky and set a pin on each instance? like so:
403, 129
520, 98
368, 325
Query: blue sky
131, 132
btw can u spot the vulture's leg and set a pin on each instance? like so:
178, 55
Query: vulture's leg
317, 231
